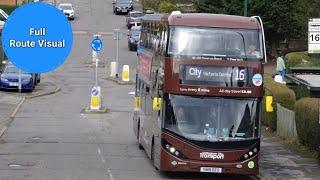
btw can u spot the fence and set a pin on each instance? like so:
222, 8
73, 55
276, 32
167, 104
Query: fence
286, 124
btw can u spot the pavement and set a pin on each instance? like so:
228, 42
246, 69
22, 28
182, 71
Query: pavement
279, 162
51, 138
8, 104
11, 101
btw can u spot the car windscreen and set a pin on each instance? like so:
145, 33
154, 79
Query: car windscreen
13, 69
136, 14
215, 42
66, 7
135, 33
3, 15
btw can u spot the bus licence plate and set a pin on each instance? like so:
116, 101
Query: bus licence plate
211, 170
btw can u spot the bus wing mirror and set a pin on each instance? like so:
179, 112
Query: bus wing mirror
136, 103
157, 104
269, 100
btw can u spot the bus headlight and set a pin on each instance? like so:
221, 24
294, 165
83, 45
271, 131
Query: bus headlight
252, 152
171, 149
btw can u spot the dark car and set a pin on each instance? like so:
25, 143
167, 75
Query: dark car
122, 6
10, 79
134, 37
134, 18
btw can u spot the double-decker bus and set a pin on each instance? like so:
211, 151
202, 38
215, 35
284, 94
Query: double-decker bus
199, 90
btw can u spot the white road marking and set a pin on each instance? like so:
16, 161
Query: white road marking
110, 174
101, 156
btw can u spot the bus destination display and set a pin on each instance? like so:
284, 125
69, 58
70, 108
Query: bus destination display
216, 76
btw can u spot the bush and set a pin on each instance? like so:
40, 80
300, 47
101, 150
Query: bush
300, 91
307, 121
7, 8
282, 95
295, 59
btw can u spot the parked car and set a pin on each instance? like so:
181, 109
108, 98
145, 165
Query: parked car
3, 17
10, 79
134, 18
122, 6
134, 37
67, 9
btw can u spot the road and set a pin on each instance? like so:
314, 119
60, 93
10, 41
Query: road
51, 137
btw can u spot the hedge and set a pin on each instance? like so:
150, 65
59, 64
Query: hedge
282, 95
295, 59
300, 91
307, 122
7, 8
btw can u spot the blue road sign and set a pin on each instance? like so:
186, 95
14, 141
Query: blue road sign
94, 91
96, 45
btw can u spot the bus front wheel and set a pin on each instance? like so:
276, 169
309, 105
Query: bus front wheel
153, 157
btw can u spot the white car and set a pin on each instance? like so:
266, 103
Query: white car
67, 9
3, 17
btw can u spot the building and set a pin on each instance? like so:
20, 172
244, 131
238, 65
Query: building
11, 2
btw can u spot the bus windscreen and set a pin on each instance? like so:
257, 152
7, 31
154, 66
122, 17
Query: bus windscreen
212, 119
243, 44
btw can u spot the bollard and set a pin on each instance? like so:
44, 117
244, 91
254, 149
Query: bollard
125, 73
113, 67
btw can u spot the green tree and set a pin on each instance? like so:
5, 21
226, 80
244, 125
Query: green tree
283, 19
166, 7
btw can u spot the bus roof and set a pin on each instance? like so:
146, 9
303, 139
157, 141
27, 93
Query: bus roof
214, 20
207, 20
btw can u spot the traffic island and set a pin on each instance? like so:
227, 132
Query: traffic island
102, 110
119, 81
92, 64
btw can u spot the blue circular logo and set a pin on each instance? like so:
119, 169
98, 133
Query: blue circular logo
37, 37
257, 79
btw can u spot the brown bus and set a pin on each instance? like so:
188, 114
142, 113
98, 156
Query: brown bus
199, 92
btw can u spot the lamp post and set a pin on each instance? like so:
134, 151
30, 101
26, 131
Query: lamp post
245, 6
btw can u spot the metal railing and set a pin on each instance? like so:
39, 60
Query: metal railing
286, 124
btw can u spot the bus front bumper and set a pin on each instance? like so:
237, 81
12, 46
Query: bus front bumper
170, 163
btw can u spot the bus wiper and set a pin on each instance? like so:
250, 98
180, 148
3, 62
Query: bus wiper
214, 55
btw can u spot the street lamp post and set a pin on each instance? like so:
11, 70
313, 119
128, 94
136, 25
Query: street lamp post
245, 6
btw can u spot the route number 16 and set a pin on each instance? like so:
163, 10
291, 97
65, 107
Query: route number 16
240, 75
